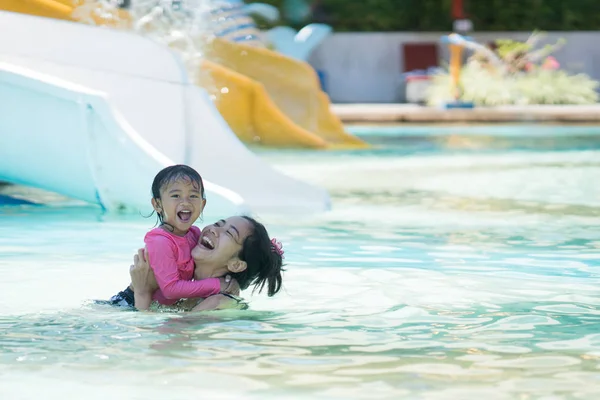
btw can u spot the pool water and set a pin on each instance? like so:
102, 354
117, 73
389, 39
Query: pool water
456, 263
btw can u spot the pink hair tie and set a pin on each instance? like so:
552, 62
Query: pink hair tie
277, 247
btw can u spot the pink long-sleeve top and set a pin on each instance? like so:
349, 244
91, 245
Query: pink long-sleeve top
172, 263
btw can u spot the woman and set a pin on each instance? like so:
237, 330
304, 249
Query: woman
238, 246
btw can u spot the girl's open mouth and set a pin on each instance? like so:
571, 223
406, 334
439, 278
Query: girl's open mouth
184, 216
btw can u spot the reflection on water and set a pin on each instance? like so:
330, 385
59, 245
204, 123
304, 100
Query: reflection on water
441, 275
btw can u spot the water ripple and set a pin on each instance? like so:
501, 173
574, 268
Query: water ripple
435, 276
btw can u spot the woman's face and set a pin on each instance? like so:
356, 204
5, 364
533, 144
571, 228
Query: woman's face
221, 242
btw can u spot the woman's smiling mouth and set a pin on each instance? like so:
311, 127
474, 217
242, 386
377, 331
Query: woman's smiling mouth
207, 243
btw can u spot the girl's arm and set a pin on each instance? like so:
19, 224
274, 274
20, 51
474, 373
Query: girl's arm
144, 284
162, 252
143, 281
142, 300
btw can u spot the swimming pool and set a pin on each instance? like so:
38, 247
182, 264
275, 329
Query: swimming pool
456, 263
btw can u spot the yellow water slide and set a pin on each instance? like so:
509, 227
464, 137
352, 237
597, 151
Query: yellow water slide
265, 97
250, 113
64, 9
61, 9
287, 106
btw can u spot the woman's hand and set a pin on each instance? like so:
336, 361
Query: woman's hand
143, 281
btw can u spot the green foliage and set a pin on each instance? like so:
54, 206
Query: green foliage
435, 15
485, 87
526, 75
506, 47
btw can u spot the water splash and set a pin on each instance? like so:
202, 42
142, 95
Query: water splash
185, 26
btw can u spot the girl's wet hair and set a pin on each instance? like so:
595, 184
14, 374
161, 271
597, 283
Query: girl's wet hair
171, 174
264, 263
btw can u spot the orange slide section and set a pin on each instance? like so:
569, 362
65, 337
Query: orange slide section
265, 97
289, 103
250, 113
61, 9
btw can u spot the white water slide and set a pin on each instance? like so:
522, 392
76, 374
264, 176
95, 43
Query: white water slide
93, 114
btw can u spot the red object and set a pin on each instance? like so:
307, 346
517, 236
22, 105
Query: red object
413, 78
419, 56
457, 9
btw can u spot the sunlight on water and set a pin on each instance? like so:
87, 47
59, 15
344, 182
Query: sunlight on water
439, 274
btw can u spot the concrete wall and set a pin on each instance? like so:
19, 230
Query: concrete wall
367, 67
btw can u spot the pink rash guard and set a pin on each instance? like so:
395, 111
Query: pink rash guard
172, 263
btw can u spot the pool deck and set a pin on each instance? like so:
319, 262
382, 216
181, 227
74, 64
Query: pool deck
412, 113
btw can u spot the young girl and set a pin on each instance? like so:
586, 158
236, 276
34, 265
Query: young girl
178, 199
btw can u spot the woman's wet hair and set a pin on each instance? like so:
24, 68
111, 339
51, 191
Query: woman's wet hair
264, 263
171, 174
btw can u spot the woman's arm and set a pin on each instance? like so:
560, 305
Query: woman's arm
216, 302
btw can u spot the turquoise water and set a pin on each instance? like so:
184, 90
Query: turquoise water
456, 263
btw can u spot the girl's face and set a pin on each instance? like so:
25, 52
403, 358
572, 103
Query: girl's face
180, 205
